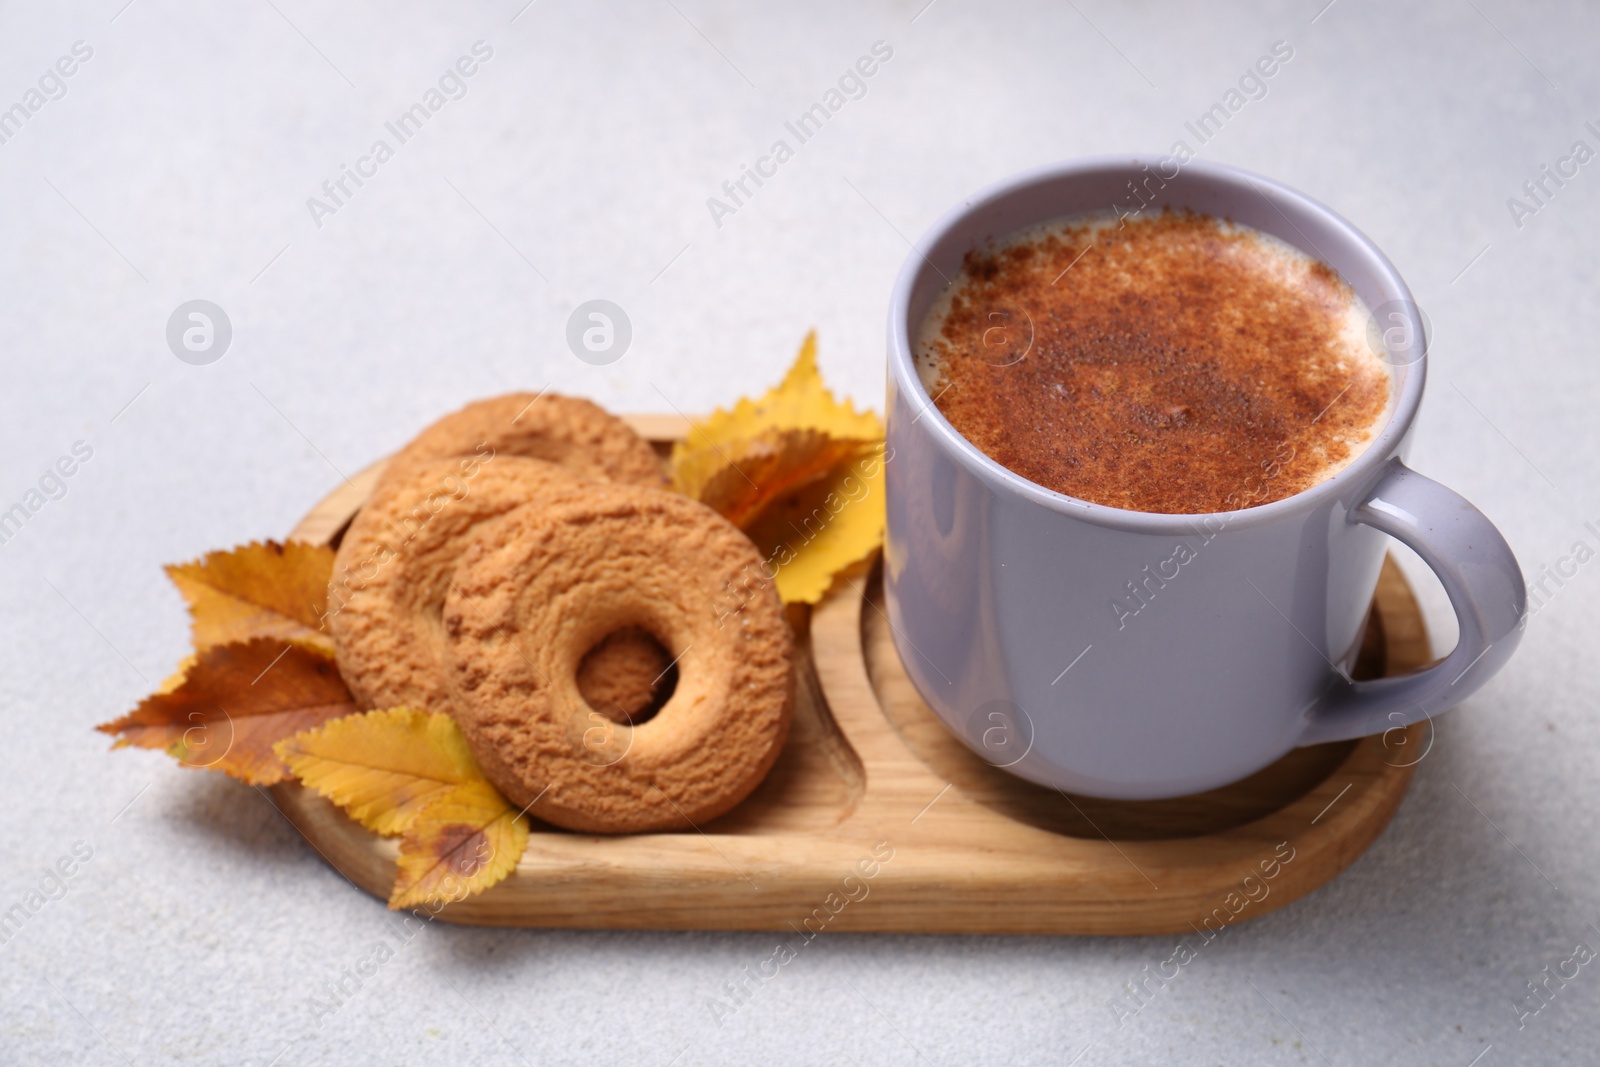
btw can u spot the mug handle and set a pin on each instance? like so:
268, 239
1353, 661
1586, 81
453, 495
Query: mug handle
1485, 586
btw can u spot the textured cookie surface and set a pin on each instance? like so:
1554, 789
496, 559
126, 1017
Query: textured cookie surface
395, 563
539, 588
570, 432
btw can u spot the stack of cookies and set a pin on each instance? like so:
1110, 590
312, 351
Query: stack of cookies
523, 567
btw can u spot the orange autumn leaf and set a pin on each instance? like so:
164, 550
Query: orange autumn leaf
801, 402
774, 465
824, 528
233, 703
262, 589
460, 844
797, 470
382, 767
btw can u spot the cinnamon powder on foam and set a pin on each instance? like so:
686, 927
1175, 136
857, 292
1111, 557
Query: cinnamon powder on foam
1175, 364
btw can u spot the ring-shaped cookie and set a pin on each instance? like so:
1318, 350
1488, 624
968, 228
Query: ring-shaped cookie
537, 589
395, 563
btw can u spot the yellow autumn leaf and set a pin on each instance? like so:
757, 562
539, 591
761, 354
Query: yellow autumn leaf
262, 589
382, 767
408, 772
798, 471
461, 843
800, 402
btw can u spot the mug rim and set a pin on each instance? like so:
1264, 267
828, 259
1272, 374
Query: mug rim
1356, 475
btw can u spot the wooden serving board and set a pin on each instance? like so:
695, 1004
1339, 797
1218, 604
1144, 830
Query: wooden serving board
876, 818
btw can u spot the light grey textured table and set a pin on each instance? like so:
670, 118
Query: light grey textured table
177, 164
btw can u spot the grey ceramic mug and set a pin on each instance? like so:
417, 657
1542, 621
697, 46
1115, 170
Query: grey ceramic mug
1237, 629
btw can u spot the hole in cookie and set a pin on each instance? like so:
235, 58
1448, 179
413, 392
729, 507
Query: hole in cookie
628, 676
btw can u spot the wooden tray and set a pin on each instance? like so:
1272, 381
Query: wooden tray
876, 818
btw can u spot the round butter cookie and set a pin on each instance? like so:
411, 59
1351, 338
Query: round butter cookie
394, 567
536, 590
